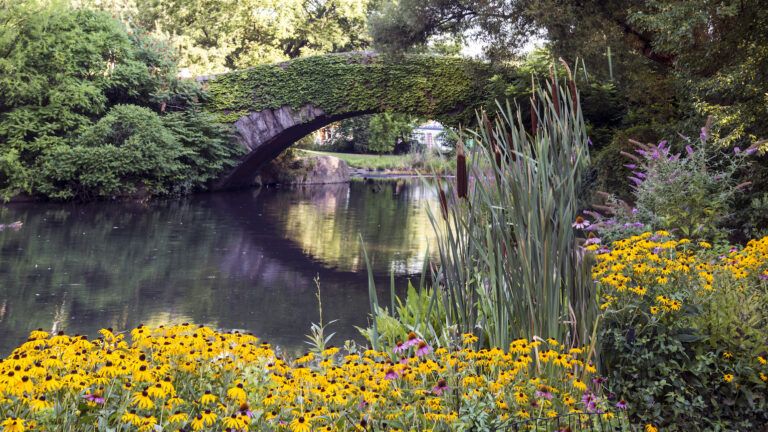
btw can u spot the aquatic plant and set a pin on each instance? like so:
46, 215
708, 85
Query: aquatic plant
509, 265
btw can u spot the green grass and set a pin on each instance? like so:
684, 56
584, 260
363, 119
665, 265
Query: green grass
407, 163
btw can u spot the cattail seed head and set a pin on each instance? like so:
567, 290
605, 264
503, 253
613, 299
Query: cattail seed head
462, 184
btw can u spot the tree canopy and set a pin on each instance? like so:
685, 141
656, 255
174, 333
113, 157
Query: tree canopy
89, 109
212, 36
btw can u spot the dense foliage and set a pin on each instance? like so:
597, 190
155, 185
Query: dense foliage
377, 133
193, 377
683, 336
89, 110
212, 36
670, 63
444, 88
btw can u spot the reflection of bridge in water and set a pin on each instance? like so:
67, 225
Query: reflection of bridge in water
241, 260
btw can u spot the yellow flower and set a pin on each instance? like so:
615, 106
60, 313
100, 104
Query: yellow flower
131, 417
207, 398
650, 428
468, 338
728, 378
13, 424
209, 417
235, 422
579, 385
762, 360
198, 423
142, 400
300, 424
237, 393
178, 417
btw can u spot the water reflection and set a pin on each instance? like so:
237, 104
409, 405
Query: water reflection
243, 260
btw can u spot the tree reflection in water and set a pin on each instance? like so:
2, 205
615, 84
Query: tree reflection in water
239, 260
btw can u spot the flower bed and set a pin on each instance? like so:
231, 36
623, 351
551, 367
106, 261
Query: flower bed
195, 378
684, 330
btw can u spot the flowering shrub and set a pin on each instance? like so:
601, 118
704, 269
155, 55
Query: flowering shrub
195, 378
691, 192
684, 330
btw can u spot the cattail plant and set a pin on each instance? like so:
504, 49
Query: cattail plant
509, 265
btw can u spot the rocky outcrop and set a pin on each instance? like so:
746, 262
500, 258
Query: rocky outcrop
306, 171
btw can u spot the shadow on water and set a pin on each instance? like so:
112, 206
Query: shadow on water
237, 260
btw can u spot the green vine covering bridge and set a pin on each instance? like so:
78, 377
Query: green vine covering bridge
272, 106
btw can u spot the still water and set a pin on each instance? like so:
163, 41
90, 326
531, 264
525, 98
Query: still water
235, 260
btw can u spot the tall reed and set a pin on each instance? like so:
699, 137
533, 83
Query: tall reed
509, 264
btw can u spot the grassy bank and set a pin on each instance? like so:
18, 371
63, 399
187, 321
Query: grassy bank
407, 163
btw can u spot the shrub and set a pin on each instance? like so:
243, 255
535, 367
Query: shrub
683, 335
127, 149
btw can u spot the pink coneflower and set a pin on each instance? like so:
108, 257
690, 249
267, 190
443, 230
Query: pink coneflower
95, 398
403, 360
580, 223
399, 347
592, 239
622, 404
543, 394
423, 349
413, 339
245, 410
391, 374
440, 387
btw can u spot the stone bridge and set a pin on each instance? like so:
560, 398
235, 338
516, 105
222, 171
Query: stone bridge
273, 106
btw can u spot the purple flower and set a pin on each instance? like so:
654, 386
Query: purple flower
750, 151
636, 180
94, 397
423, 349
589, 141
391, 374
399, 347
603, 250
622, 404
543, 394
580, 223
763, 276
689, 149
592, 239
704, 135
413, 339
630, 166
638, 174
737, 150
440, 387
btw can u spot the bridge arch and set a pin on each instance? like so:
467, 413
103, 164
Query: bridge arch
273, 106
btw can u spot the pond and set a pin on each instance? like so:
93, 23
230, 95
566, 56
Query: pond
233, 260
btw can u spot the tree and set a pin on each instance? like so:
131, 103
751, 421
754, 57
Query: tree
212, 36
706, 56
388, 129
90, 110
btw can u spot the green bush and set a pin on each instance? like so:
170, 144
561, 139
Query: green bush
90, 110
134, 150
684, 332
